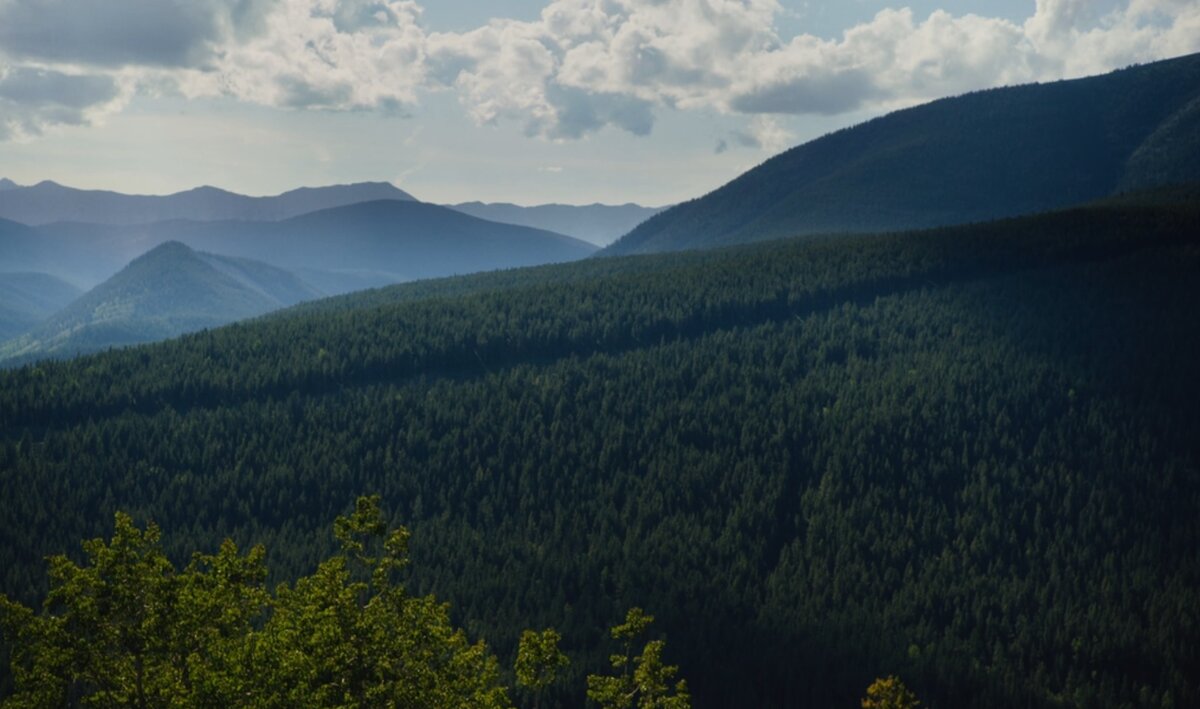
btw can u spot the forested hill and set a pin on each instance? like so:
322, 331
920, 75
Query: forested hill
168, 291
967, 456
984, 155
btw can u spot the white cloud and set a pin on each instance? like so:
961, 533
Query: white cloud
324, 54
583, 64
586, 64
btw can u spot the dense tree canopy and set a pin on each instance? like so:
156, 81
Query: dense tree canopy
967, 457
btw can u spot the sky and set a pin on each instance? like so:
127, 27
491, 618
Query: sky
525, 101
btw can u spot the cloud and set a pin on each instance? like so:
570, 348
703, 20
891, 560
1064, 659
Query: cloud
582, 65
567, 73
34, 99
762, 133
321, 54
165, 33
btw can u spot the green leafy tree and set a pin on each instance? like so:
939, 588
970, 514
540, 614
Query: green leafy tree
128, 629
350, 635
641, 681
889, 693
539, 660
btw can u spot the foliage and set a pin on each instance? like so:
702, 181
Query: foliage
889, 693
641, 681
128, 629
539, 660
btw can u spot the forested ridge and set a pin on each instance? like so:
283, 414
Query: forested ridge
982, 155
966, 456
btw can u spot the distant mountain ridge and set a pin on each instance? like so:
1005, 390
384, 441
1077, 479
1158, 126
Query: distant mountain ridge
983, 155
338, 249
48, 202
168, 291
600, 224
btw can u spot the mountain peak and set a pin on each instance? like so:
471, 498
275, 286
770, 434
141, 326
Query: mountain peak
7, 184
206, 190
168, 248
357, 191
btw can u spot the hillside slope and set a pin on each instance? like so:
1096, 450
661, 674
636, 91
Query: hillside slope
967, 456
980, 156
166, 292
28, 298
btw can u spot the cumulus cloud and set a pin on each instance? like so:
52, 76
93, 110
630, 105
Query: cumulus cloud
33, 99
324, 54
763, 132
582, 65
585, 64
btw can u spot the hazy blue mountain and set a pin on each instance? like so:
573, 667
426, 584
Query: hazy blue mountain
48, 202
983, 155
600, 224
7, 184
168, 291
83, 255
340, 249
28, 298
22, 248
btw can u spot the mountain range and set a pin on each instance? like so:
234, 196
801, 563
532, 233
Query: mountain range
964, 455
983, 155
342, 248
979, 156
326, 252
48, 202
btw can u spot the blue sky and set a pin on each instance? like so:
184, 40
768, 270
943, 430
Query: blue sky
576, 101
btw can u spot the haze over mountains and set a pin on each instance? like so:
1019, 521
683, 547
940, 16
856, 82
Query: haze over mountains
166, 292
392, 239
967, 454
366, 243
29, 298
947, 454
983, 155
600, 224
48, 202
980, 156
